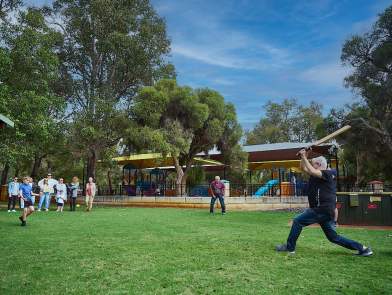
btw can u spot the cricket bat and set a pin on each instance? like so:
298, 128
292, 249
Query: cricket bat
328, 137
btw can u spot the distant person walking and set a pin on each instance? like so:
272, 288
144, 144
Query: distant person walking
26, 194
13, 193
51, 183
91, 190
218, 191
73, 187
61, 195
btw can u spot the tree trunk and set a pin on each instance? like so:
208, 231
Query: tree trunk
36, 166
180, 174
91, 163
360, 159
4, 174
183, 183
109, 174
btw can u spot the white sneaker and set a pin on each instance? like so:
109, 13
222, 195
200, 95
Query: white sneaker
46, 210
14, 210
9, 211
38, 210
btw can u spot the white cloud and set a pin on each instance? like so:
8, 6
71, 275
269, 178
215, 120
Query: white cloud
328, 74
246, 54
209, 57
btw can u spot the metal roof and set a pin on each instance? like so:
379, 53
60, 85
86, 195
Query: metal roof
275, 146
269, 147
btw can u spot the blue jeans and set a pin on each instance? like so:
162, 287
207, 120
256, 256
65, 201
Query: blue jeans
45, 197
221, 201
326, 222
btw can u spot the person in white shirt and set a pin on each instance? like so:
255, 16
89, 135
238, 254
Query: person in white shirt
51, 183
61, 195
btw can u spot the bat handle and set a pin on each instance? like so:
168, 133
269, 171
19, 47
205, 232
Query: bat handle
309, 148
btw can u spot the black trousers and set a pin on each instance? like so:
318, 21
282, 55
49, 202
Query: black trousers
72, 203
12, 202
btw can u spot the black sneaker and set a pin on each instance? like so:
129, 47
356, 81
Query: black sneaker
365, 252
21, 219
23, 223
283, 248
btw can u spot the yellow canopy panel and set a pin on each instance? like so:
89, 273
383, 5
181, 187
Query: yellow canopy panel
288, 164
156, 160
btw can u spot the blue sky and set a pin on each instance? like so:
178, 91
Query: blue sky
252, 51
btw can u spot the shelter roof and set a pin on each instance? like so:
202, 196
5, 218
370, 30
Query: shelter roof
261, 156
6, 121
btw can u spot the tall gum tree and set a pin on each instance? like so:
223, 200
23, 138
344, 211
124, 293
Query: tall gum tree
110, 50
28, 72
370, 57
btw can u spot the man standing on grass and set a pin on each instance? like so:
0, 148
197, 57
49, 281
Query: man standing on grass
218, 191
322, 203
26, 194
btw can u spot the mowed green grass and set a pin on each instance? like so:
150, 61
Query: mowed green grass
178, 251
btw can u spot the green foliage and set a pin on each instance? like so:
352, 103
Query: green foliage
7, 6
286, 122
183, 122
370, 57
29, 68
196, 175
111, 48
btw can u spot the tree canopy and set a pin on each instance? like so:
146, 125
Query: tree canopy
110, 50
370, 57
29, 66
181, 122
287, 122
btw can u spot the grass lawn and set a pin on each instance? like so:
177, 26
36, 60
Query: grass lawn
179, 251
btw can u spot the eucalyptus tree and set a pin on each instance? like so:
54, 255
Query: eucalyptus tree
110, 50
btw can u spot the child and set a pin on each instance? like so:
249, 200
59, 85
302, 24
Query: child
61, 195
74, 186
26, 194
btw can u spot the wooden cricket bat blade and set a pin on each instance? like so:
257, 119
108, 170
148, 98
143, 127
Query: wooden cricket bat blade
332, 135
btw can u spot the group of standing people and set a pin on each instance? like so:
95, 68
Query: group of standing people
27, 191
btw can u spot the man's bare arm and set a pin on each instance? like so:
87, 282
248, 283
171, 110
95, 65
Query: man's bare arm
308, 167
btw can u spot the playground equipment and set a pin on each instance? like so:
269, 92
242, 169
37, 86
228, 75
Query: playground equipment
262, 190
147, 182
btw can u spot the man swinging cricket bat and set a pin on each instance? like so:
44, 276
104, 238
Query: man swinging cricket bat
322, 204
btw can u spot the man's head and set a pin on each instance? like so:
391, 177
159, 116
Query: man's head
319, 163
15, 179
26, 180
49, 175
61, 180
217, 178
